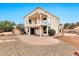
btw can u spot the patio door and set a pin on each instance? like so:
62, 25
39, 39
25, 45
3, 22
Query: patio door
32, 31
44, 29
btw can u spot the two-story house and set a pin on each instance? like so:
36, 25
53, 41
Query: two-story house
39, 21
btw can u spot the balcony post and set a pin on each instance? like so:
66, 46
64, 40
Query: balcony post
40, 31
40, 18
40, 24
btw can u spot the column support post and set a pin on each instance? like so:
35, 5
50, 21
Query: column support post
40, 31
40, 25
40, 18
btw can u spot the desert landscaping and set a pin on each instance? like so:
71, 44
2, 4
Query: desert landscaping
72, 40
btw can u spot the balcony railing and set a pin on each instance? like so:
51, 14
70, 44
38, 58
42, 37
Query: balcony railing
45, 22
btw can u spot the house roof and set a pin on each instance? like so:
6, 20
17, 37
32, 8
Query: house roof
41, 9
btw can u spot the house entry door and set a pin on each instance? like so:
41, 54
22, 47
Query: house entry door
32, 31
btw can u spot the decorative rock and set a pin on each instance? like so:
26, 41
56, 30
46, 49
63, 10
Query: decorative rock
76, 53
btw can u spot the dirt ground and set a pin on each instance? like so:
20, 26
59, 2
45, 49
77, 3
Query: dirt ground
37, 40
20, 48
71, 40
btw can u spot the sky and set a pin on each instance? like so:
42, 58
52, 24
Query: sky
67, 12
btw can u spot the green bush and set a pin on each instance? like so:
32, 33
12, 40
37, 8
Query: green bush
51, 32
6, 26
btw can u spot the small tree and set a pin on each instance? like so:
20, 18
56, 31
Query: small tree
77, 24
72, 25
51, 32
66, 25
6, 26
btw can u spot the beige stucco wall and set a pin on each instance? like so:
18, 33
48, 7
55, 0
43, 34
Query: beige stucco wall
26, 29
32, 21
38, 31
37, 21
54, 24
26, 21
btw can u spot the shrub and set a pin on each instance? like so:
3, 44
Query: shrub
21, 27
6, 26
51, 32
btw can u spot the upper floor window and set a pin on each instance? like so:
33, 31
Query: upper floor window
44, 18
30, 21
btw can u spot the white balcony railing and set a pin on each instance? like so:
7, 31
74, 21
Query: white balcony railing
45, 22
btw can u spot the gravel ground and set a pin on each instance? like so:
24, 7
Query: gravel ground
19, 48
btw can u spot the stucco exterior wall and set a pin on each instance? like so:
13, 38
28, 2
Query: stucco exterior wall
26, 30
38, 31
54, 24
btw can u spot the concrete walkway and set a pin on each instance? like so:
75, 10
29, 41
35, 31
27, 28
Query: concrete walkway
36, 40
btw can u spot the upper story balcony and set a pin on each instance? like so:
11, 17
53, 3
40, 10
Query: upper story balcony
37, 19
38, 22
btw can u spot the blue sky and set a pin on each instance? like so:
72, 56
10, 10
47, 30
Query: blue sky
16, 11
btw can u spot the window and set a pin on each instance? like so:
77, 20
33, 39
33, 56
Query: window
30, 21
44, 18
